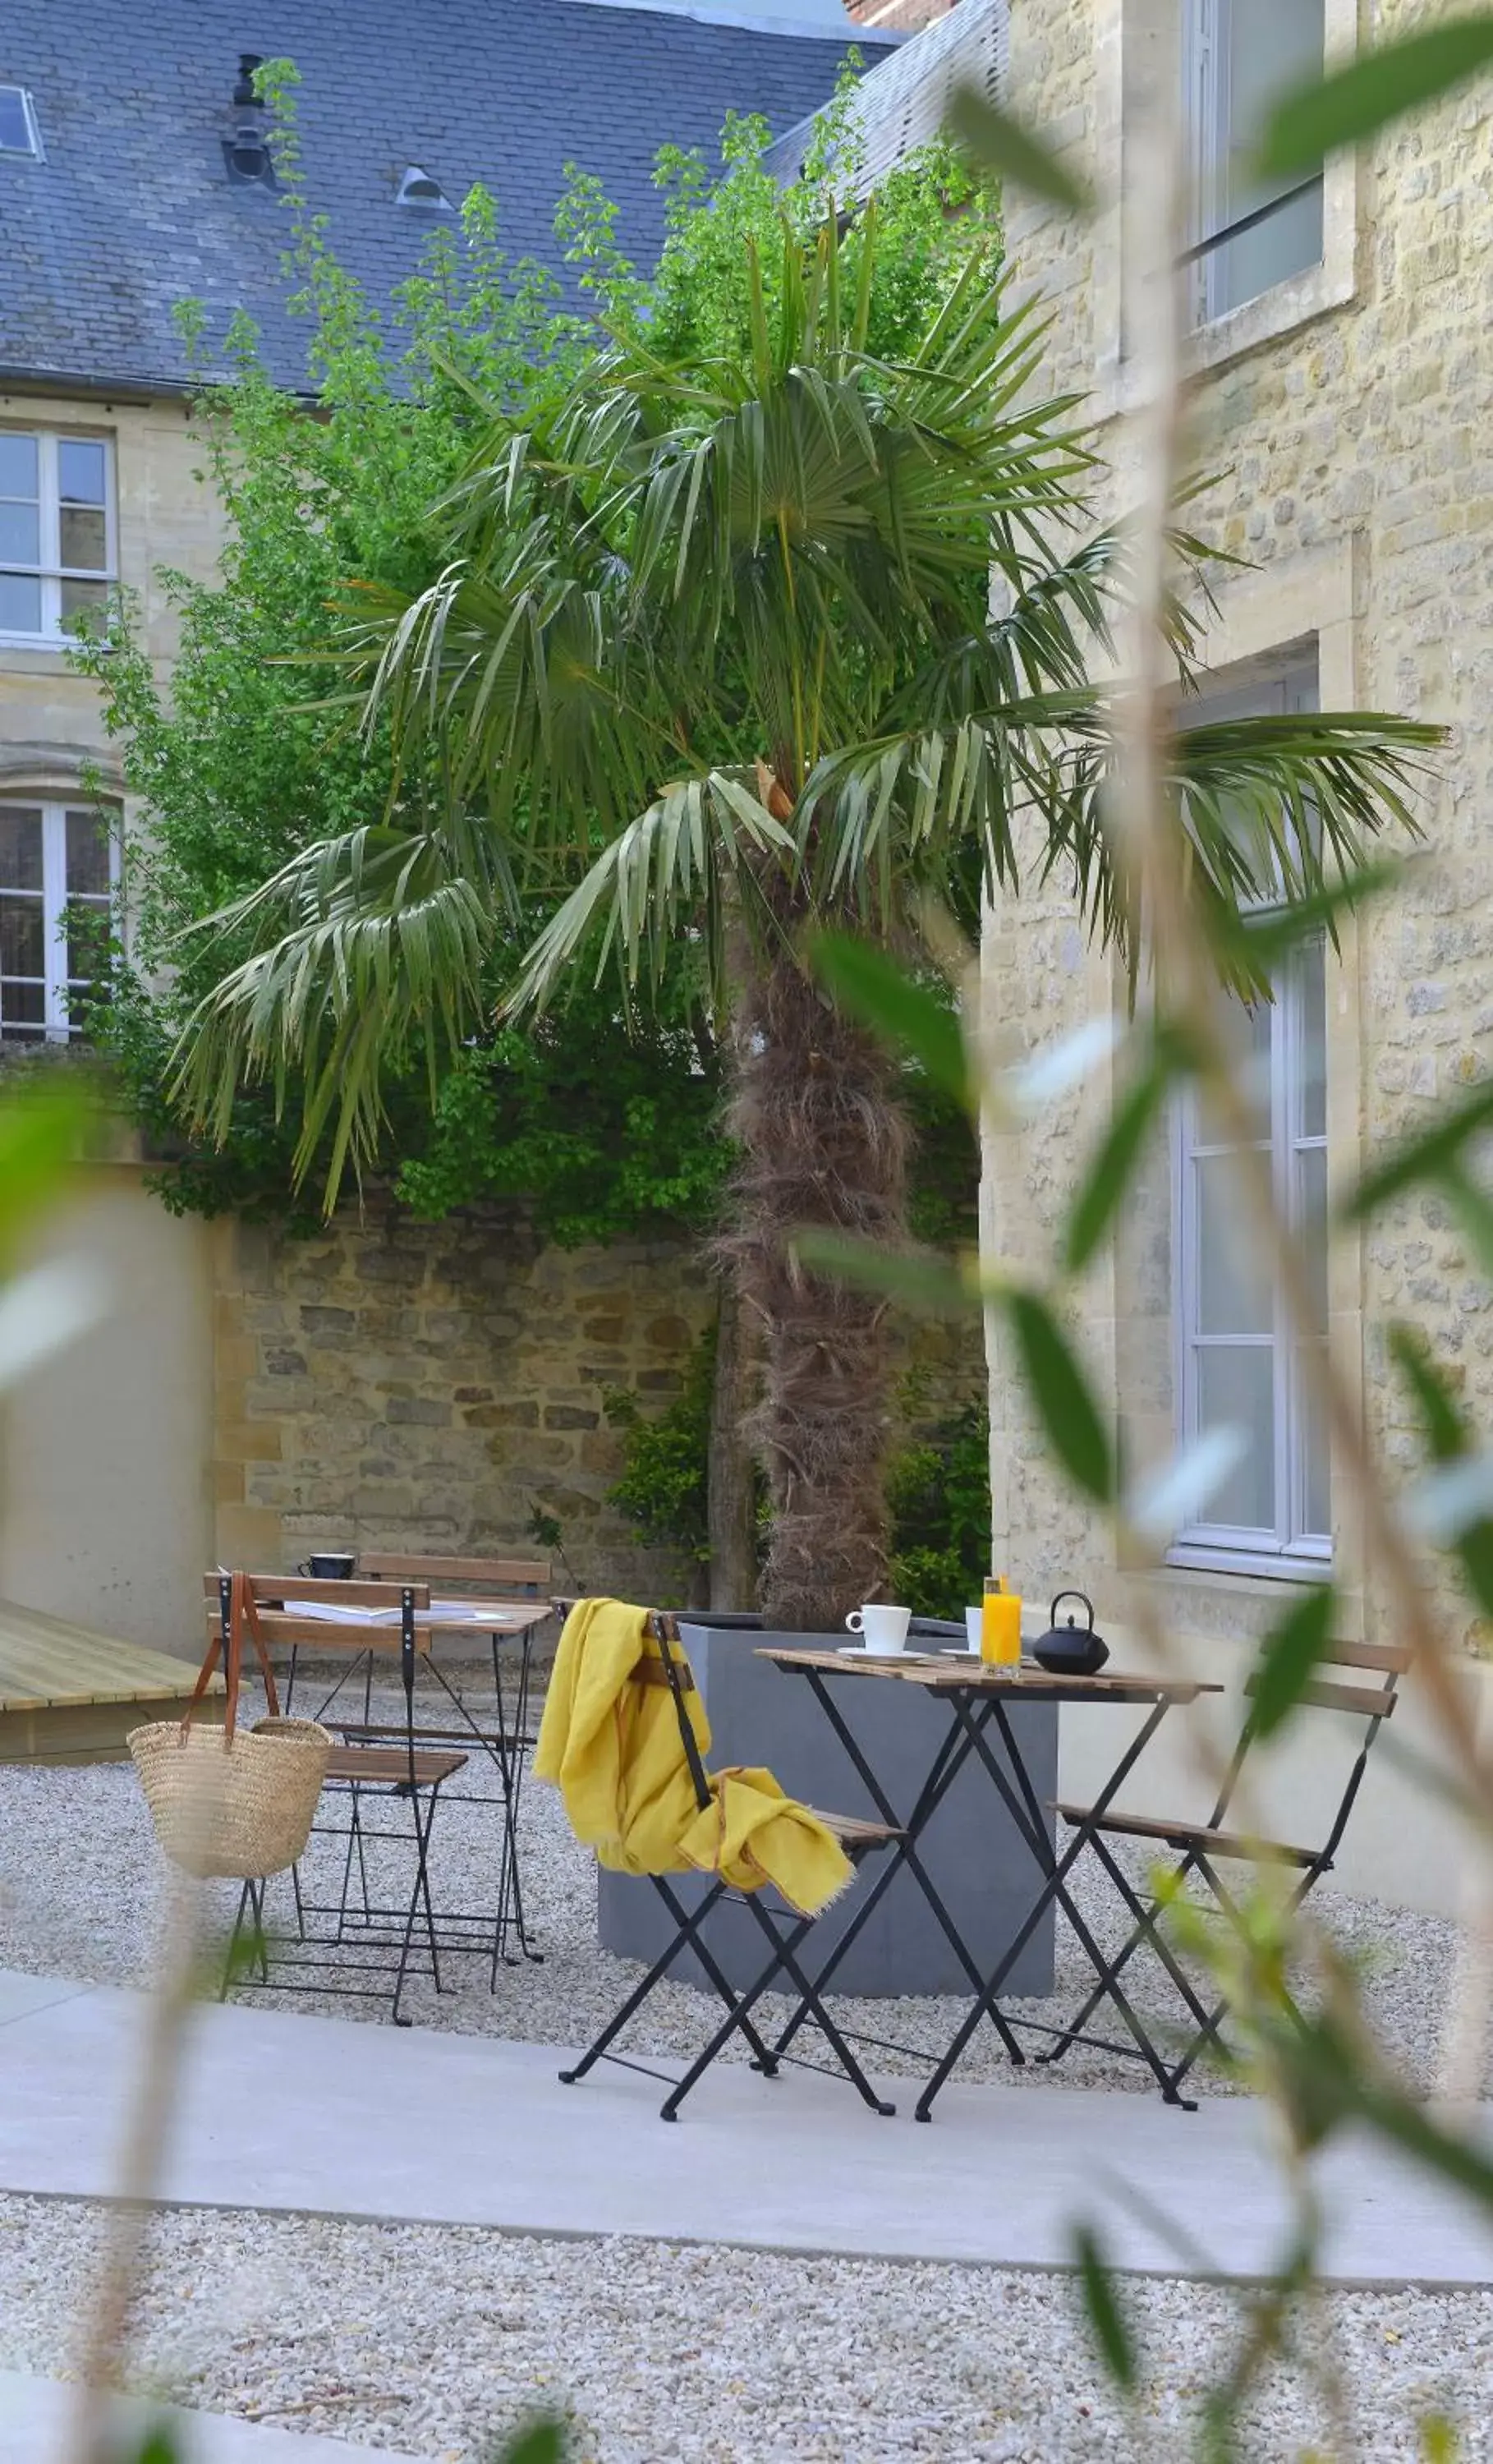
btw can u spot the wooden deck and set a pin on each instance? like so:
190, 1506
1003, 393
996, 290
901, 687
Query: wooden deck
68, 1695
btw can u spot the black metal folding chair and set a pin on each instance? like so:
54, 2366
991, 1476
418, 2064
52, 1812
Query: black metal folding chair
498, 1738
784, 1932
363, 1936
1202, 1847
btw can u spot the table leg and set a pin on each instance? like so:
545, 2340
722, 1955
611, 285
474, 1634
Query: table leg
952, 1752
1056, 1870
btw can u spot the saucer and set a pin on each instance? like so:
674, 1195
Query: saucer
875, 1651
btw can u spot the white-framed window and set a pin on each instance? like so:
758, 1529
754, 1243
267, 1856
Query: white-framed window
1238, 55
58, 869
1240, 1363
19, 131
58, 554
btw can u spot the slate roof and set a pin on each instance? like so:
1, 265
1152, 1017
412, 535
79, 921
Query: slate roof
133, 210
901, 102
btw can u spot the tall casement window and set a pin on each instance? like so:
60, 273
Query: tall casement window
58, 553
58, 863
1238, 56
1242, 1364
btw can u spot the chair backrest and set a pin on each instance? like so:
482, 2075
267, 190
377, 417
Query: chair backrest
280, 1600
672, 1669
523, 1579
1370, 1703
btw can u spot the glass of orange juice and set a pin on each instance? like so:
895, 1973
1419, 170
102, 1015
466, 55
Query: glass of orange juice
1000, 1626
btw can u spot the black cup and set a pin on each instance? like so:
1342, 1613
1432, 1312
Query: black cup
333, 1568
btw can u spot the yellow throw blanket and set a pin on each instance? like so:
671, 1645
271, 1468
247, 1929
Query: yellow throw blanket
614, 1749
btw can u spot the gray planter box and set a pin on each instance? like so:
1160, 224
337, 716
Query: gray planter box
970, 1851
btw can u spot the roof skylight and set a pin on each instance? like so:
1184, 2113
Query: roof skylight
19, 133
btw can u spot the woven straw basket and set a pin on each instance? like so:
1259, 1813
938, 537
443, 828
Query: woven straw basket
242, 1805
231, 1801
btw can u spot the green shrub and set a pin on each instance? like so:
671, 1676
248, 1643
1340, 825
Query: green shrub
938, 1493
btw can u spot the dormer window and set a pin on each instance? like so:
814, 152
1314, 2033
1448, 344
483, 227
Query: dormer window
245, 148
423, 194
19, 132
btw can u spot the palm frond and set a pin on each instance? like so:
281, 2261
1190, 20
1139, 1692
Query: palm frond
370, 948
671, 870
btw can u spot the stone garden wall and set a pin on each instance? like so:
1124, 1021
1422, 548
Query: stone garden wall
393, 1384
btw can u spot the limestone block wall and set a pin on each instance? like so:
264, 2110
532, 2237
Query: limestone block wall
391, 1384
394, 1384
1347, 417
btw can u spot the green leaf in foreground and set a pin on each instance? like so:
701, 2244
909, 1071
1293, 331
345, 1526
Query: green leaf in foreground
1060, 1391
1101, 2308
923, 1282
41, 1131
871, 985
1450, 1440
1439, 2443
1261, 940
1379, 86
1427, 1157
1288, 1659
543, 2442
1109, 1175
158, 2446
994, 141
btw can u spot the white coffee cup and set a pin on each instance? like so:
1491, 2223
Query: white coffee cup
883, 1630
973, 1620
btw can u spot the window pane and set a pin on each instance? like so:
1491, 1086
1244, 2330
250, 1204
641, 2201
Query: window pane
1235, 1391
18, 466
1316, 1505
20, 848
1287, 243
1267, 46
20, 534
20, 605
21, 938
78, 595
1248, 1031
84, 538
87, 945
87, 855
1312, 1056
80, 471
1312, 1222
23, 1010
1233, 1278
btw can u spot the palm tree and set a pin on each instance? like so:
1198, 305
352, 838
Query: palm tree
732, 649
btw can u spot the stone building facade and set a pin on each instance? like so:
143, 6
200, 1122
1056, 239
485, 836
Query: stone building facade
180, 1431
1339, 388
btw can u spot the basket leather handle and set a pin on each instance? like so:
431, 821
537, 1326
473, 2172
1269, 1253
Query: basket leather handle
242, 1613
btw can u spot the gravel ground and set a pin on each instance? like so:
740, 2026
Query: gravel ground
433, 2341
67, 1839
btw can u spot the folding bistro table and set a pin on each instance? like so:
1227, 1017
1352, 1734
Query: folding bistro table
504, 1743
979, 1701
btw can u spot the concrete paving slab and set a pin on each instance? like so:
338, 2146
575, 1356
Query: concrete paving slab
21, 1994
290, 2113
33, 2417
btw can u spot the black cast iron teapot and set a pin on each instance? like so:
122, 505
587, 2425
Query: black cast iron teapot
1071, 1650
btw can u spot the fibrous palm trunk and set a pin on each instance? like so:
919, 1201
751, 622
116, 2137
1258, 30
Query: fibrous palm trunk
732, 1500
824, 1142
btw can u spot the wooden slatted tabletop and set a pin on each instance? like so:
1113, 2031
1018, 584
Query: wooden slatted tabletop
950, 1672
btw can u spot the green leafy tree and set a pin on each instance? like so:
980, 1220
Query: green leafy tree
247, 759
713, 639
